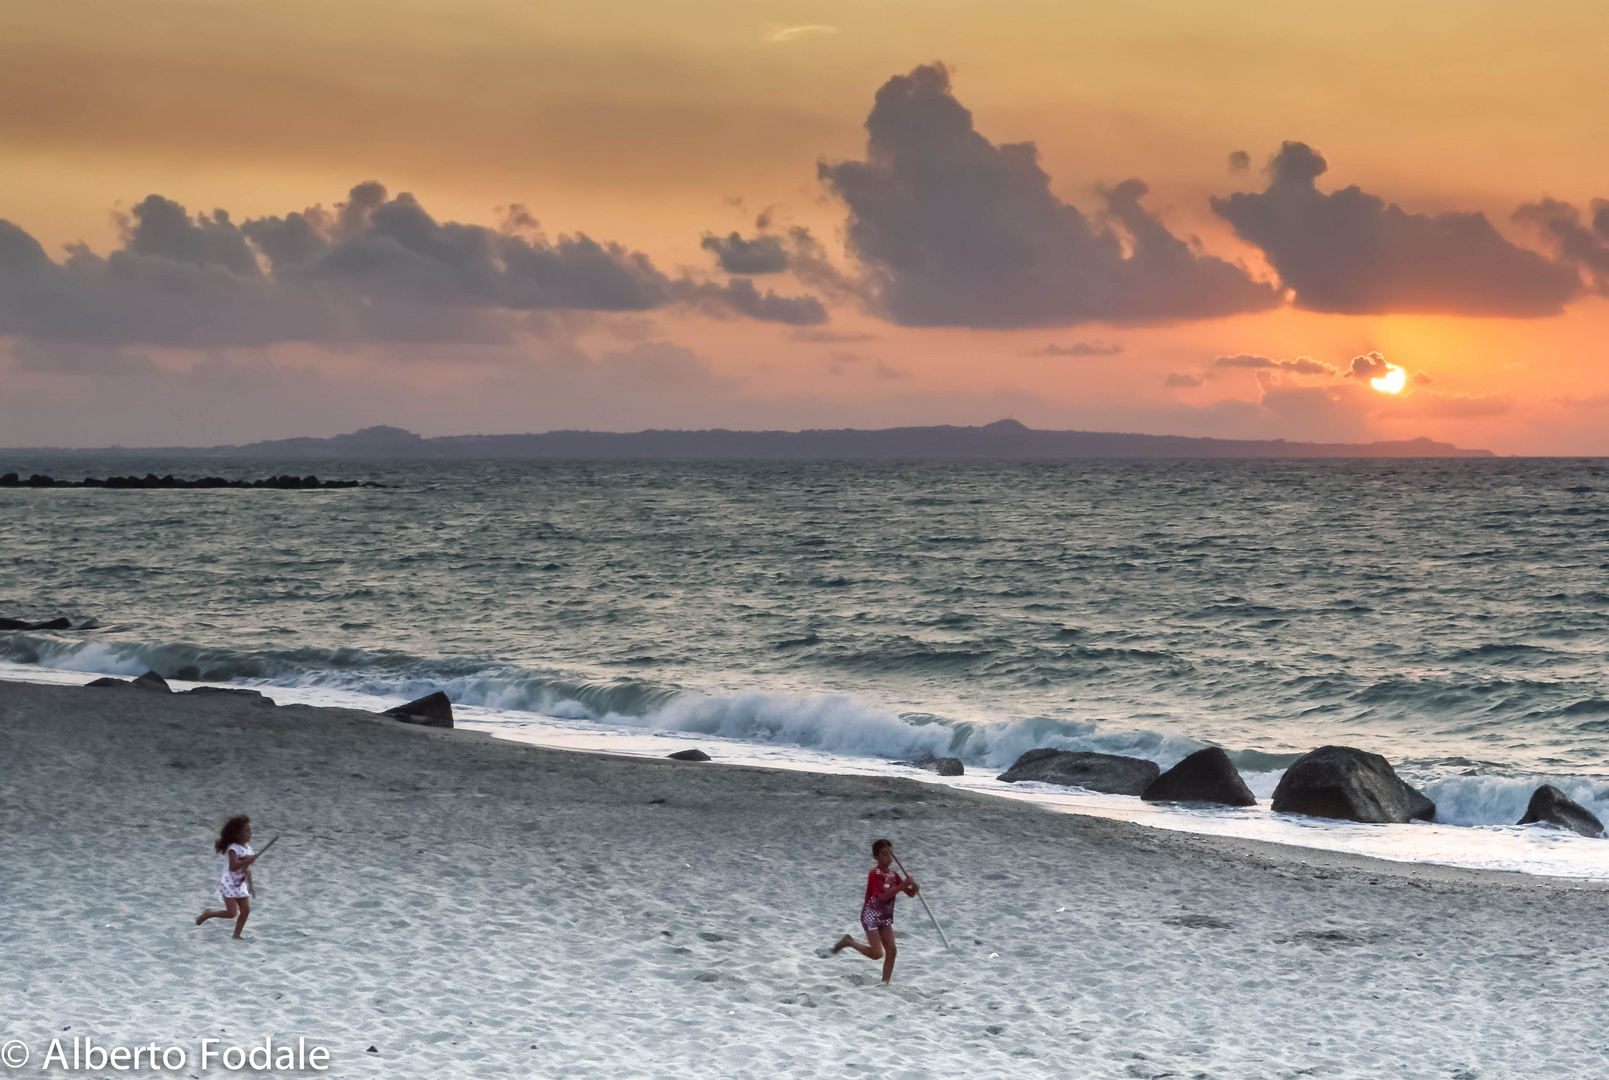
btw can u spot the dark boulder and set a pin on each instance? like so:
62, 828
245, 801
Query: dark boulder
152, 681
1107, 773
255, 696
944, 766
14, 624
1551, 806
108, 681
432, 710
9, 480
689, 755
88, 624
1348, 784
1206, 776
53, 624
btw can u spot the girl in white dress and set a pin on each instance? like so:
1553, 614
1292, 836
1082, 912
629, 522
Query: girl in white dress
235, 884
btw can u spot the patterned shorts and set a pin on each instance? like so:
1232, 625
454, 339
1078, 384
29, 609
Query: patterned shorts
874, 918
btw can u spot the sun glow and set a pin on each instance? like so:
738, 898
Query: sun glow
1391, 382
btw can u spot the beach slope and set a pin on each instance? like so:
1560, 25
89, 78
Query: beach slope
471, 907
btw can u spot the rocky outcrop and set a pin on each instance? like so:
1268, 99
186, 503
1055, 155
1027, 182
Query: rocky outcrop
432, 710
62, 623
1206, 776
1551, 806
152, 681
689, 755
108, 681
1107, 773
944, 766
1348, 784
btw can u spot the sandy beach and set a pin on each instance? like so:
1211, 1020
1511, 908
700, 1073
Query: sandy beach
473, 907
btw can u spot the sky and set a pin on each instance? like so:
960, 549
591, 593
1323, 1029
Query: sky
227, 220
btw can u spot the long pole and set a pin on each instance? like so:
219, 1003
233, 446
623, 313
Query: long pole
925, 908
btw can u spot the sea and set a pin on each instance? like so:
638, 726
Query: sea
846, 616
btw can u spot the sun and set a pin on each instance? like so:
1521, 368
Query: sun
1392, 381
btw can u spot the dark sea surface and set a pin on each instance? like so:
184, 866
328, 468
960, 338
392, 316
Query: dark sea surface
1450, 614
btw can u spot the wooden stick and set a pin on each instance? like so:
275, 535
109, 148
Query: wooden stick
925, 908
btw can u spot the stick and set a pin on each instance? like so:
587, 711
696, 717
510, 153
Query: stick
266, 846
925, 908
251, 886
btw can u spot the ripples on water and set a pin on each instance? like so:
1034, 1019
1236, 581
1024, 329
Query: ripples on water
1449, 614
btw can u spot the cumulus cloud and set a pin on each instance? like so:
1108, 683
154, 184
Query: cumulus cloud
1368, 366
1580, 243
954, 230
1239, 161
1080, 348
1302, 365
1183, 379
373, 268
1350, 252
762, 255
833, 337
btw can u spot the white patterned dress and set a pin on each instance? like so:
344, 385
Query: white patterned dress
232, 885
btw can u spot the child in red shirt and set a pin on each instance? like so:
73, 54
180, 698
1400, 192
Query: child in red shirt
883, 886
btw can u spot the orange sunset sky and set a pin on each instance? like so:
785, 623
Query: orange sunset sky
498, 216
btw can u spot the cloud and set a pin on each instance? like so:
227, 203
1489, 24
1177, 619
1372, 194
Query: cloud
1421, 379
762, 255
1079, 348
832, 337
1302, 365
1582, 244
1350, 252
1427, 403
793, 33
1368, 366
885, 371
956, 231
1181, 379
373, 268
1239, 161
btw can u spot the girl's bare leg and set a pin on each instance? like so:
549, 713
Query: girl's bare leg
245, 912
873, 950
888, 950
228, 912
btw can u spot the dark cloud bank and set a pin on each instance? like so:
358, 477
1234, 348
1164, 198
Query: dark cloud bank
372, 269
956, 231
1350, 252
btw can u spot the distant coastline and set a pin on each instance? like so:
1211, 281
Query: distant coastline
1003, 439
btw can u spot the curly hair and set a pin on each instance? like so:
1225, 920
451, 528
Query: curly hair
877, 845
230, 833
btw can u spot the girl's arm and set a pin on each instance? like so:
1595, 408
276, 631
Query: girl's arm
893, 890
239, 862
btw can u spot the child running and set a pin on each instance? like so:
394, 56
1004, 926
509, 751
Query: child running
883, 886
235, 884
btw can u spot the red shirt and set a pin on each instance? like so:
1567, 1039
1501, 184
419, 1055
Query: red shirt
878, 882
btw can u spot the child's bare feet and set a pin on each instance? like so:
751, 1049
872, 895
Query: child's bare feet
843, 943
201, 918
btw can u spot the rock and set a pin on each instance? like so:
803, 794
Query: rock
14, 624
108, 681
88, 624
256, 696
1551, 806
689, 755
152, 681
944, 766
1107, 773
1351, 785
432, 710
53, 624
9, 480
1206, 776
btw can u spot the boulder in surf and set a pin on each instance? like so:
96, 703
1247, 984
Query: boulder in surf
944, 766
432, 710
1349, 784
694, 754
1110, 774
107, 680
1206, 776
1551, 806
152, 681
